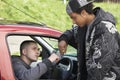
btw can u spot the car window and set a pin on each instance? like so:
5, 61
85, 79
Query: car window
54, 43
14, 43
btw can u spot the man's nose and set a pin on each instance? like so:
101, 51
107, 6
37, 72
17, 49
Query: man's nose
38, 51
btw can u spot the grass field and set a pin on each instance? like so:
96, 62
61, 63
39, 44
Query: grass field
50, 12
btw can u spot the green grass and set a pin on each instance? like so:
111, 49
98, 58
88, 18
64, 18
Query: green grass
50, 12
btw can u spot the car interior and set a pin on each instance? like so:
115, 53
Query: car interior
65, 69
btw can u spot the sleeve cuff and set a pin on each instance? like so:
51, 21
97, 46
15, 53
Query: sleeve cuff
63, 37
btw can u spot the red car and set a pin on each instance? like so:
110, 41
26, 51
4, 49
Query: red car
12, 33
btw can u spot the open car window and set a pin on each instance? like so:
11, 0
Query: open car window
14, 42
47, 45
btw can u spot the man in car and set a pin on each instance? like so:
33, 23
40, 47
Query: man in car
29, 53
96, 39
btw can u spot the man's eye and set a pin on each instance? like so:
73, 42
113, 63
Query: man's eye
38, 49
34, 48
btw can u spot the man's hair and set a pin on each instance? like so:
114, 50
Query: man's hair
88, 8
25, 43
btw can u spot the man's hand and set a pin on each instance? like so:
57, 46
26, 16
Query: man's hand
54, 58
62, 45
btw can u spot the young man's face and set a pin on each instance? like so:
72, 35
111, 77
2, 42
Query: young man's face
78, 19
32, 52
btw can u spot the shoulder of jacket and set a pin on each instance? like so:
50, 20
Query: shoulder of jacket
109, 26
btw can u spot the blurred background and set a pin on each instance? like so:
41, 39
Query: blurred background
50, 12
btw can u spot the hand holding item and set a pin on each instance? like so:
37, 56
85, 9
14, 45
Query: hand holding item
62, 47
54, 58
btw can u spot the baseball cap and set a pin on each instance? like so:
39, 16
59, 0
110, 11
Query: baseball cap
73, 5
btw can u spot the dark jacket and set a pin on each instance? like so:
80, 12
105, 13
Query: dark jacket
25, 72
97, 47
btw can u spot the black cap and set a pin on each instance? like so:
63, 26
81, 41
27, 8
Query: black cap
73, 5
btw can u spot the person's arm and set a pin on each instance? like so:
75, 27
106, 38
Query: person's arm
22, 73
105, 56
68, 37
35, 73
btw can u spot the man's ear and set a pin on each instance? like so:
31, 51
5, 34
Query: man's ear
83, 13
24, 51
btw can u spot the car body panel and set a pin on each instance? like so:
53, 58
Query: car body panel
10, 29
5, 61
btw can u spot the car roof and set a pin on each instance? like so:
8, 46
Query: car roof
12, 27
